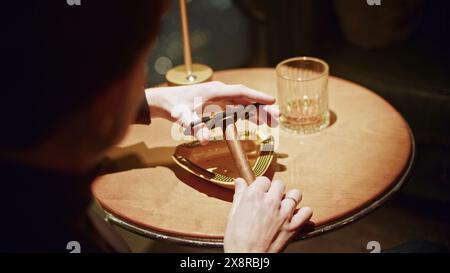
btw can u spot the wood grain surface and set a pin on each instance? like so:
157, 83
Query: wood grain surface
340, 171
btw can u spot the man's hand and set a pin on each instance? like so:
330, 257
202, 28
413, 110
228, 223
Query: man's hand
164, 100
262, 217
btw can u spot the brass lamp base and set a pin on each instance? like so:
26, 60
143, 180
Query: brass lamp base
179, 76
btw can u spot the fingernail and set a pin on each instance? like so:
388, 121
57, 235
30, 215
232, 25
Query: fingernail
306, 210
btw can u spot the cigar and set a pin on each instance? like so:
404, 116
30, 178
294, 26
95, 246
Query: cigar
237, 153
227, 120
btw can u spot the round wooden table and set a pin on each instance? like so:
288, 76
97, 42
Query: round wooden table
344, 172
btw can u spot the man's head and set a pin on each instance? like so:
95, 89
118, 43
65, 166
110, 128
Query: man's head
77, 69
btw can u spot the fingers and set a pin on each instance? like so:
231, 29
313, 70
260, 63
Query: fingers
185, 116
239, 188
261, 183
290, 202
290, 228
238, 91
202, 134
277, 189
217, 91
300, 218
272, 110
254, 95
269, 114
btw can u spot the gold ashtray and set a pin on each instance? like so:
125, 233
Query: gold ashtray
214, 163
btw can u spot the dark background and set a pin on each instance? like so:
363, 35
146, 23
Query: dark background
400, 50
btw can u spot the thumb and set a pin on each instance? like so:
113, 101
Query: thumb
185, 116
202, 134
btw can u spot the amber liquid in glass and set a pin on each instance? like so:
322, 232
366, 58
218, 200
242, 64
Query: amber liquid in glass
305, 115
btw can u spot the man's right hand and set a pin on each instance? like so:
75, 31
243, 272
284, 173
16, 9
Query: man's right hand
262, 217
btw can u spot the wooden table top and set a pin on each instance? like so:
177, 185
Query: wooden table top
343, 172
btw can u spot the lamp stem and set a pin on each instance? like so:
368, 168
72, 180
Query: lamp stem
186, 42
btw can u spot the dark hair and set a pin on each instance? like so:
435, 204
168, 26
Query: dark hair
60, 56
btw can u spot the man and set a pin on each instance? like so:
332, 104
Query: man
75, 84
